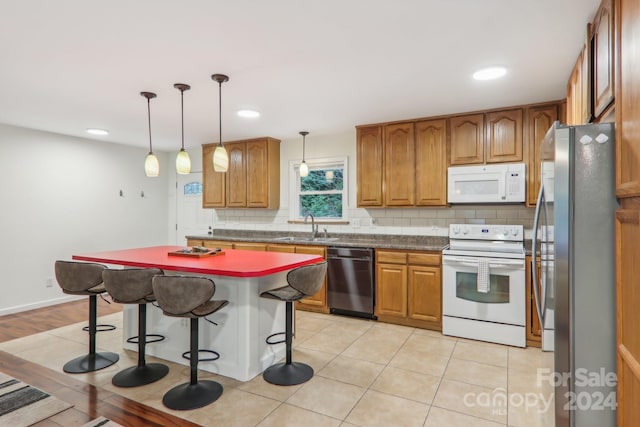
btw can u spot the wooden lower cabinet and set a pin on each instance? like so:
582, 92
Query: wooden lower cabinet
409, 288
534, 331
250, 246
628, 319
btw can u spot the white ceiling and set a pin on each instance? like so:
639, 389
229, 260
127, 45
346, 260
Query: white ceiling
322, 66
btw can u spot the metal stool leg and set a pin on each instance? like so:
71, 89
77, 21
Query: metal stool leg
288, 373
92, 361
194, 394
144, 373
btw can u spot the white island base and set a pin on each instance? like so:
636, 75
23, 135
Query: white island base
239, 337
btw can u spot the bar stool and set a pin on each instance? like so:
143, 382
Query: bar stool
302, 282
81, 278
183, 296
134, 286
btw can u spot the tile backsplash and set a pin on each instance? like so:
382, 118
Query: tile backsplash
409, 221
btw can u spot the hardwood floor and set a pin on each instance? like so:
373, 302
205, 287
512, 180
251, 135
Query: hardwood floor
89, 401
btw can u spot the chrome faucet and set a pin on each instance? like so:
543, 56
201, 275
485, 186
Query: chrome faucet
314, 227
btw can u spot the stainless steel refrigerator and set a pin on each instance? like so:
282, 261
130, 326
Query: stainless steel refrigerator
574, 237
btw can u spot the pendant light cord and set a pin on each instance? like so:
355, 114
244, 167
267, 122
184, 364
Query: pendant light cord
149, 117
182, 110
220, 113
304, 138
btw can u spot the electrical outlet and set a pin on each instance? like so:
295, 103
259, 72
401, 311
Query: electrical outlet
48, 283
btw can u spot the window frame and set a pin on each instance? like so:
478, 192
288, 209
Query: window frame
320, 163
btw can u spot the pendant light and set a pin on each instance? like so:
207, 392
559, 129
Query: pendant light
220, 156
183, 162
304, 169
151, 165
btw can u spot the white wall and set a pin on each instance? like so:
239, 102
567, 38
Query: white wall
60, 197
407, 221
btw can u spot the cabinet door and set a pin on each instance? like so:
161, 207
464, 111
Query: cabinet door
503, 142
318, 300
213, 183
257, 174
603, 58
250, 246
369, 166
539, 120
467, 139
431, 162
425, 294
391, 290
399, 165
628, 301
237, 175
574, 105
628, 94
281, 248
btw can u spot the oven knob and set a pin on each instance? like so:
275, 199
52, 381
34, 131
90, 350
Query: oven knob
465, 230
456, 229
514, 231
505, 231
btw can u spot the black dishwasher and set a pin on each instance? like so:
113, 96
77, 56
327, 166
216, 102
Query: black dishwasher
351, 285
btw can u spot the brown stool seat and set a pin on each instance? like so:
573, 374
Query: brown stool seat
82, 278
134, 286
190, 297
302, 282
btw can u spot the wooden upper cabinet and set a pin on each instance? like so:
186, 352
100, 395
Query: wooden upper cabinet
603, 58
503, 141
431, 162
574, 94
263, 173
467, 139
237, 175
370, 167
539, 120
252, 179
399, 165
213, 183
628, 94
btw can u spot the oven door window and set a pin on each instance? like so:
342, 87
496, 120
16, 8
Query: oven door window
467, 288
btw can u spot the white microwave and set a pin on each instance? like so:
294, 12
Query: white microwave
499, 183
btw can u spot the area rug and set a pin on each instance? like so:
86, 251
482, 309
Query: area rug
102, 422
24, 405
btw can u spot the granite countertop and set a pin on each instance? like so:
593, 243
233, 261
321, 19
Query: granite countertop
376, 241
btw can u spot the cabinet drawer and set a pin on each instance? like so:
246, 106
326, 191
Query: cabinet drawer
250, 246
217, 244
424, 259
391, 257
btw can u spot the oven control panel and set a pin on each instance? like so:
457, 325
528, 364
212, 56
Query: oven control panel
486, 232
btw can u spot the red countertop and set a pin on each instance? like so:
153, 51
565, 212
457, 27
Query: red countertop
235, 262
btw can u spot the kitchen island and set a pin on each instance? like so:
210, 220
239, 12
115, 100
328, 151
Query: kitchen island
242, 326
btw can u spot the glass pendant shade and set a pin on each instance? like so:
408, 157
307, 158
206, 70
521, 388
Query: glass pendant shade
220, 159
151, 165
304, 169
183, 162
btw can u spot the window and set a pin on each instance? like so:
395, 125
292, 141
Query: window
323, 193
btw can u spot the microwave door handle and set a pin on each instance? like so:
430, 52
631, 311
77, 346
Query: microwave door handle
503, 188
534, 270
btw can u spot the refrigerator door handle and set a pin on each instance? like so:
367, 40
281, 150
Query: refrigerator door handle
534, 270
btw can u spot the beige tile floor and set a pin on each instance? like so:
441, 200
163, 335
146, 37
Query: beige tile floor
367, 374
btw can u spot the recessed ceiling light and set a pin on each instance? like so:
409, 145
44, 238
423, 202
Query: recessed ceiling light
100, 132
251, 114
490, 73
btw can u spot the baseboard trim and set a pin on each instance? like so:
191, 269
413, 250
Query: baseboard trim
39, 304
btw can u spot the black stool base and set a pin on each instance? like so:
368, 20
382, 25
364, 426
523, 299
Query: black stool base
90, 362
192, 396
288, 374
140, 375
